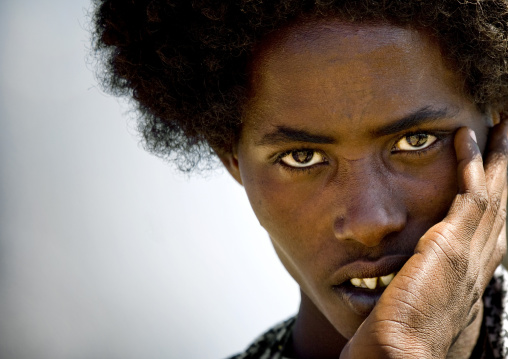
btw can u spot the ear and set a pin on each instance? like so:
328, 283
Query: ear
230, 161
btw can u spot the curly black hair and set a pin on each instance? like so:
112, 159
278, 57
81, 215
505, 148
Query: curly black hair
184, 62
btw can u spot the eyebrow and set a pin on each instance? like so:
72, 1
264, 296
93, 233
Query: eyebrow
284, 134
422, 116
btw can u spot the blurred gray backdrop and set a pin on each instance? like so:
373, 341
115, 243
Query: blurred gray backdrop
105, 251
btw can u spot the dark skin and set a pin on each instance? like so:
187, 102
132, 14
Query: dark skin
362, 158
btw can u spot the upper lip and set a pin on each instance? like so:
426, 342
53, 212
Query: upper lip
363, 268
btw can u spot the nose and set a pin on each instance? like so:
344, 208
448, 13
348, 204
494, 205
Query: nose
369, 207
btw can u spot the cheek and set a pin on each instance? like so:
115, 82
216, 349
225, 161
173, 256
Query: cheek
269, 196
298, 222
295, 215
429, 190
282, 208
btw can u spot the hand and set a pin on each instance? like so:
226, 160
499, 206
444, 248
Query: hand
437, 293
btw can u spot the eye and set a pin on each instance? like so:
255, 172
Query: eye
415, 142
302, 158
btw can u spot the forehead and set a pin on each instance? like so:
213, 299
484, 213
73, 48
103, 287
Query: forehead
351, 71
329, 36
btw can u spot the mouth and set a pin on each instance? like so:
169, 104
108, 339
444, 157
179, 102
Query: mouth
361, 283
372, 283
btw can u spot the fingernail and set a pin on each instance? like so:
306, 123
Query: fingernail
473, 135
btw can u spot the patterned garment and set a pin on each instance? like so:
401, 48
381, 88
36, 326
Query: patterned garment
492, 343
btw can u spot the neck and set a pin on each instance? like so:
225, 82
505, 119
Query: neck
313, 335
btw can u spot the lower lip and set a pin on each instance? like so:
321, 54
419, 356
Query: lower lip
360, 300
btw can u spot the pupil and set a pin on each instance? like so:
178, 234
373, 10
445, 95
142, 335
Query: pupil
417, 140
303, 156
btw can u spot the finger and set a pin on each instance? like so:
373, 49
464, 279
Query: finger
471, 201
495, 248
492, 228
470, 171
452, 237
496, 161
493, 261
501, 245
495, 172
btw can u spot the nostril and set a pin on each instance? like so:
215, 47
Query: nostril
369, 227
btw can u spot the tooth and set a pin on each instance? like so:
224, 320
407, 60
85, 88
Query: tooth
387, 279
356, 282
370, 282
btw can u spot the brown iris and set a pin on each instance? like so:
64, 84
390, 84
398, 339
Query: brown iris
417, 140
302, 156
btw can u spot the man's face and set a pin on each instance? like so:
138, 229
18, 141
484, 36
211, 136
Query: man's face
347, 155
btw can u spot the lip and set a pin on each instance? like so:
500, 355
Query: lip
369, 269
362, 300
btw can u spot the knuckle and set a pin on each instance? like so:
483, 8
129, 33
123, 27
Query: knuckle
480, 201
496, 201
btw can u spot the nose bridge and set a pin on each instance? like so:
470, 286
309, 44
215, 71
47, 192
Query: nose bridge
369, 208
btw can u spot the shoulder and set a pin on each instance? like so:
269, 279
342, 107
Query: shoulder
269, 344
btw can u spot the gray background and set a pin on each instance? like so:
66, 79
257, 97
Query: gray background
105, 251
